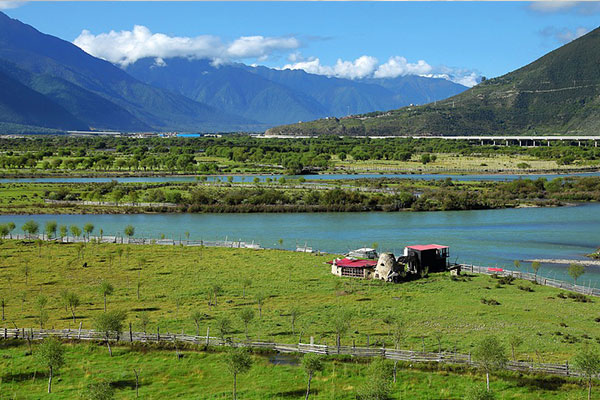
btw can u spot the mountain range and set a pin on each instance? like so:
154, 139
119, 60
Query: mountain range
50, 84
557, 94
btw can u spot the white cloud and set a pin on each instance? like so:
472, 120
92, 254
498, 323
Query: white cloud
368, 67
8, 4
578, 7
564, 35
362, 67
126, 47
399, 66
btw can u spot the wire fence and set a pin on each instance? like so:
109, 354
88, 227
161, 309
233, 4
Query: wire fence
530, 367
540, 280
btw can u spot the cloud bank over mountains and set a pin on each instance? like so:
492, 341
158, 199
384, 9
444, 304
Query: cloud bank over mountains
126, 47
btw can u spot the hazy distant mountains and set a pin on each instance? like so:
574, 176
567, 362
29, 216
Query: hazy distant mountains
556, 94
48, 83
271, 96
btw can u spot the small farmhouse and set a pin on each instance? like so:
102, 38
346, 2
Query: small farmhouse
425, 258
417, 260
353, 268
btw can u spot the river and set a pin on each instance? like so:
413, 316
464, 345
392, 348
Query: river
481, 237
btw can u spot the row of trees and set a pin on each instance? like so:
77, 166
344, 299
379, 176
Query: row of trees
53, 231
295, 156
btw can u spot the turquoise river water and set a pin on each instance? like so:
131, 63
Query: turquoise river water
482, 237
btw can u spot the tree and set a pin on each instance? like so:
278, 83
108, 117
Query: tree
260, 299
88, 229
4, 231
63, 231
223, 326
517, 264
51, 229
514, 341
535, 266
311, 363
129, 231
587, 361
214, 291
246, 315
341, 324
280, 241
294, 313
246, 283
50, 354
11, 227
41, 303
144, 320
30, 228
117, 195
197, 316
75, 231
425, 158
110, 324
238, 362
106, 289
73, 302
101, 390
26, 270
490, 355
575, 271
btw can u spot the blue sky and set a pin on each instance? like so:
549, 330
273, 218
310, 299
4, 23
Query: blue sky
458, 40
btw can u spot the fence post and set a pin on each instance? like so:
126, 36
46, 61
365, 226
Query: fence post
158, 334
5, 333
79, 332
207, 337
567, 366
130, 333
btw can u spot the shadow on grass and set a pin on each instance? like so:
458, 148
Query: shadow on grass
146, 309
536, 382
23, 376
123, 384
299, 393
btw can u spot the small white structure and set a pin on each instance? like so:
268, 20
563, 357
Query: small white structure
364, 252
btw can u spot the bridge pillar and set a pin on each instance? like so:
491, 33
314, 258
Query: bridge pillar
548, 143
520, 142
507, 142
579, 143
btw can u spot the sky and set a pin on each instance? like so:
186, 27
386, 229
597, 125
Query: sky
460, 41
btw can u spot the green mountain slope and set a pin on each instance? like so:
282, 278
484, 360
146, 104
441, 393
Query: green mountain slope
556, 94
95, 89
20, 105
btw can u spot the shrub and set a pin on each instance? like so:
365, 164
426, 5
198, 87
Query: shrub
490, 302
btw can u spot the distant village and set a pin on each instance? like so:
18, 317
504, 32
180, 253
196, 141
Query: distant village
417, 261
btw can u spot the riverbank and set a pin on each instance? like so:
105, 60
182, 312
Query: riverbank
283, 196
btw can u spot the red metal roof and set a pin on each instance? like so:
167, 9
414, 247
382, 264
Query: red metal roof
495, 269
422, 247
345, 262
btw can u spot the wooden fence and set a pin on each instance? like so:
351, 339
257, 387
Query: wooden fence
172, 338
585, 290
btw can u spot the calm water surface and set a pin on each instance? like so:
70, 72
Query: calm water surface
483, 237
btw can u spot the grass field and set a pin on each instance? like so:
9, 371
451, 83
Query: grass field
203, 375
460, 163
175, 281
